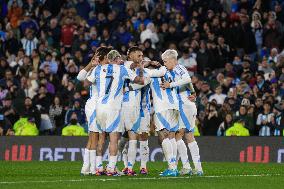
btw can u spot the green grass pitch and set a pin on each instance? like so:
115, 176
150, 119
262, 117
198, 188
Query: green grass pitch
60, 175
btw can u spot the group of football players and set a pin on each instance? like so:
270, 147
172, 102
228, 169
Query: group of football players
123, 97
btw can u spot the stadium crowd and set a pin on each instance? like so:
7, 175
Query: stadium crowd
231, 49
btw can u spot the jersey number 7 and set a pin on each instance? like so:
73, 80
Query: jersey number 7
109, 82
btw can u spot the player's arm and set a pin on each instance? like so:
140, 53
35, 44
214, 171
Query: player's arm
156, 72
192, 96
185, 80
149, 74
135, 86
83, 74
139, 79
181, 82
129, 74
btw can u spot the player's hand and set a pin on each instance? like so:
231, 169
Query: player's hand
95, 61
141, 66
133, 66
192, 97
165, 85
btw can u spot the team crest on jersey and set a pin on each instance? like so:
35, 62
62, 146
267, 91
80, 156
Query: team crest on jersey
104, 70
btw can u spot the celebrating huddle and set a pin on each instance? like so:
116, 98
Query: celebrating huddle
120, 107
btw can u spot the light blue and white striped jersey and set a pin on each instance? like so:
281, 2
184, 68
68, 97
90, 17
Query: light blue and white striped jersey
265, 129
181, 81
163, 99
145, 103
93, 92
109, 79
277, 130
132, 95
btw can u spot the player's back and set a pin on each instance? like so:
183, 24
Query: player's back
109, 80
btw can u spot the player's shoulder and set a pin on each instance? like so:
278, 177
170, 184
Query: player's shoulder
180, 69
127, 64
122, 68
117, 66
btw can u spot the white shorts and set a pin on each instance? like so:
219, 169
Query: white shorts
167, 120
108, 120
187, 116
145, 122
91, 116
131, 119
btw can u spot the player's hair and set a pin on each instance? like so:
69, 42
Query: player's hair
133, 49
170, 53
101, 52
112, 55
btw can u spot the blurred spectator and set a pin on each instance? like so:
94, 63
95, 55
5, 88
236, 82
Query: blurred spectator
142, 19
29, 110
5, 123
29, 42
31, 85
8, 111
247, 120
14, 14
278, 110
53, 33
218, 96
67, 33
9, 76
73, 128
212, 120
106, 38
28, 24
265, 120
226, 124
237, 129
83, 8
56, 114
258, 34
202, 58
25, 126
80, 115
42, 99
50, 63
150, 33
123, 36
12, 45
188, 61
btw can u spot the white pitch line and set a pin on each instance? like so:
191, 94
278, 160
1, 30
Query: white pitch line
139, 178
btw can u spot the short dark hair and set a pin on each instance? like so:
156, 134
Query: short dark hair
133, 49
101, 52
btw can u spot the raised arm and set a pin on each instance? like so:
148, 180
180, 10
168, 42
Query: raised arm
83, 74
